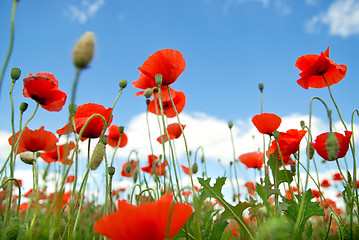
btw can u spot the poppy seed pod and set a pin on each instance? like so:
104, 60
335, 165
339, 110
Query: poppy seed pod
276, 134
15, 73
84, 50
27, 157
148, 92
332, 146
158, 79
123, 83
72, 109
23, 106
230, 124
111, 171
121, 129
261, 87
97, 155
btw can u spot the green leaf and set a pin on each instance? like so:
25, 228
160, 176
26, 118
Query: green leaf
218, 229
230, 211
281, 175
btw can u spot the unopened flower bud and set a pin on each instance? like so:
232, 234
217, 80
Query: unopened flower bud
121, 129
97, 155
84, 50
111, 171
72, 109
158, 79
230, 124
27, 157
261, 87
123, 83
15, 73
310, 151
128, 168
134, 175
23, 107
202, 159
4, 187
332, 146
276, 135
13, 228
104, 140
302, 124
194, 168
148, 92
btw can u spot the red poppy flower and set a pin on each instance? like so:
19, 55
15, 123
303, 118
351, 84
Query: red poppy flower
174, 131
314, 67
251, 188
94, 128
146, 221
186, 193
114, 137
20, 181
35, 140
320, 144
288, 142
154, 165
315, 193
325, 183
185, 169
167, 62
70, 179
43, 88
337, 177
252, 159
178, 97
133, 165
266, 123
59, 154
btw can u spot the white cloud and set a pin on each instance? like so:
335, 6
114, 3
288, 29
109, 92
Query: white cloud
85, 10
342, 18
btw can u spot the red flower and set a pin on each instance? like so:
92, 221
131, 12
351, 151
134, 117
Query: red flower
337, 177
59, 154
251, 188
314, 67
320, 144
43, 88
147, 221
252, 159
315, 193
185, 169
186, 193
20, 181
288, 142
325, 183
35, 140
133, 165
266, 123
174, 131
95, 127
178, 97
114, 137
70, 179
167, 62
154, 165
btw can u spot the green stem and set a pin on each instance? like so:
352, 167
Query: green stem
36, 180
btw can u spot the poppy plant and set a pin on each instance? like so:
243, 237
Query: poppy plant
319, 71
35, 140
43, 88
95, 126
266, 123
157, 220
179, 100
337, 177
59, 154
252, 159
320, 145
114, 136
288, 142
154, 166
174, 132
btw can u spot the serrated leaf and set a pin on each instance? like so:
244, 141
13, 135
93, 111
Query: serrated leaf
218, 229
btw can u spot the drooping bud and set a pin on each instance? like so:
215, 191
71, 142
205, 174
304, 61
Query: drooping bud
15, 73
261, 87
276, 135
302, 124
332, 146
123, 83
230, 124
13, 229
111, 171
194, 168
4, 187
27, 157
134, 175
158, 79
97, 155
128, 168
310, 151
23, 107
72, 109
202, 159
84, 50
148, 92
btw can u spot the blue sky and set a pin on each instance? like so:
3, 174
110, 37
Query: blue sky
230, 47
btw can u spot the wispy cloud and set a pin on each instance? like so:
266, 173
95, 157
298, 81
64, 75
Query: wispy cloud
83, 11
342, 18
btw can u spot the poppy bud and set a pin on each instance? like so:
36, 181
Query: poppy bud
234, 197
123, 83
12, 230
15, 73
302, 124
104, 140
134, 175
189, 152
4, 187
310, 151
23, 107
158, 79
230, 163
148, 92
276, 135
72, 109
194, 168
202, 159
24, 229
230, 124
97, 155
120, 129
111, 171
84, 49
27, 157
261, 87
332, 146
128, 168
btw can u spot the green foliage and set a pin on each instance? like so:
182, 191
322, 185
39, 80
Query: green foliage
275, 227
281, 176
